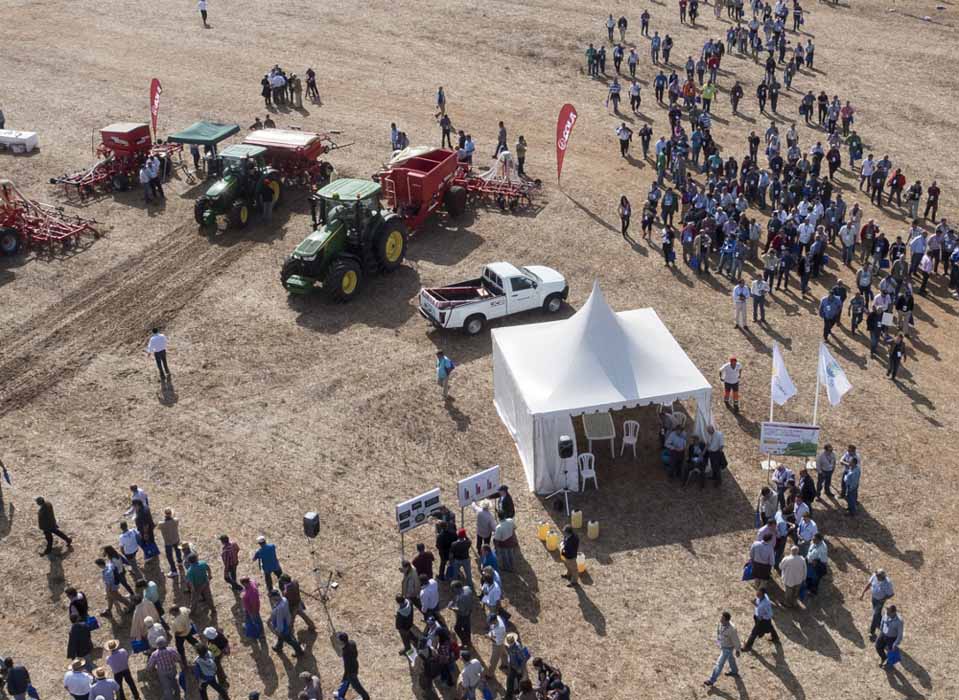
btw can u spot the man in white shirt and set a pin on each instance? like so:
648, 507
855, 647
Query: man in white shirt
471, 677
201, 5
758, 291
497, 635
740, 297
793, 571
137, 495
429, 595
715, 442
157, 347
77, 681
882, 590
781, 477
144, 177
825, 466
129, 546
156, 181
730, 374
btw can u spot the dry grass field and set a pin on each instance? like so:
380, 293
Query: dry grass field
281, 405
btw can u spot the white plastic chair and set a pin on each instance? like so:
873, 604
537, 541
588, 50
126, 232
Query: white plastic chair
630, 436
587, 469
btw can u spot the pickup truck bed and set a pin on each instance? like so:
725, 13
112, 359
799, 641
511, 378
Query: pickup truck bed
461, 293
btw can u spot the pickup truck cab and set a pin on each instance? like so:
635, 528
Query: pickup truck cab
502, 290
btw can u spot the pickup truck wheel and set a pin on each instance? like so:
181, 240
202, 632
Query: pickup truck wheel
474, 324
343, 281
553, 303
390, 245
455, 201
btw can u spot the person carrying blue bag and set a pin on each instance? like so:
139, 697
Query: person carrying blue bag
890, 637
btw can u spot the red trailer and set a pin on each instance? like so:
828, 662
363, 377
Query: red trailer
415, 183
25, 223
123, 148
296, 154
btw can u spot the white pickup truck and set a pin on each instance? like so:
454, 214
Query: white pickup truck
502, 290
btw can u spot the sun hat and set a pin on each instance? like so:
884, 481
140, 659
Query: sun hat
210, 633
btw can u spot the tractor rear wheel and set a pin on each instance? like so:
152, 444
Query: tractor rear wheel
9, 241
239, 214
455, 201
120, 182
271, 187
390, 245
343, 280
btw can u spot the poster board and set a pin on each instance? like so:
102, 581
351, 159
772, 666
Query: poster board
789, 439
417, 511
478, 486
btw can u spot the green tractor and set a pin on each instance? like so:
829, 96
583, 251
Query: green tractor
245, 184
353, 237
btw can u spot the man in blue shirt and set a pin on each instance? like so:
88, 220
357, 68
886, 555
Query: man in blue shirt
851, 481
882, 590
269, 562
830, 309
444, 368
762, 620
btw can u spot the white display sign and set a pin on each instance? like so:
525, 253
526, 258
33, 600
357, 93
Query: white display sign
478, 486
416, 511
789, 439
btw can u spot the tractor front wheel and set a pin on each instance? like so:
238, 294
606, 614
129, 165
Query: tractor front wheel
390, 245
239, 214
199, 212
9, 241
271, 189
455, 201
343, 280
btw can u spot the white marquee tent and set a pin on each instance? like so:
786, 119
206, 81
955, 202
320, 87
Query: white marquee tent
544, 374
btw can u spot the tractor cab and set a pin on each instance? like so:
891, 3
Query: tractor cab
242, 160
350, 201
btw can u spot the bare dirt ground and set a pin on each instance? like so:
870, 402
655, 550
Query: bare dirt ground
281, 406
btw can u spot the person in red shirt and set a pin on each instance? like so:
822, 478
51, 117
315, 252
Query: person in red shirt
423, 561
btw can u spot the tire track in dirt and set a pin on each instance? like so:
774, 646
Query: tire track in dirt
112, 310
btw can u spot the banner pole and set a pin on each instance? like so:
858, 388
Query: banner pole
815, 406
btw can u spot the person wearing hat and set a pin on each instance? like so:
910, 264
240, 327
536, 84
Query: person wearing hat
144, 610
118, 659
504, 505
485, 524
154, 632
346, 647
516, 657
268, 560
47, 523
504, 543
206, 671
103, 687
169, 528
77, 681
444, 368
570, 549
882, 590
281, 622
460, 557
80, 644
730, 374
166, 662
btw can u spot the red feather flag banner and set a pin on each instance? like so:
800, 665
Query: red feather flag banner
564, 127
155, 92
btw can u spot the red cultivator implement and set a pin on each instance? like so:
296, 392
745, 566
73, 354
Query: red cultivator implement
25, 223
123, 148
296, 154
